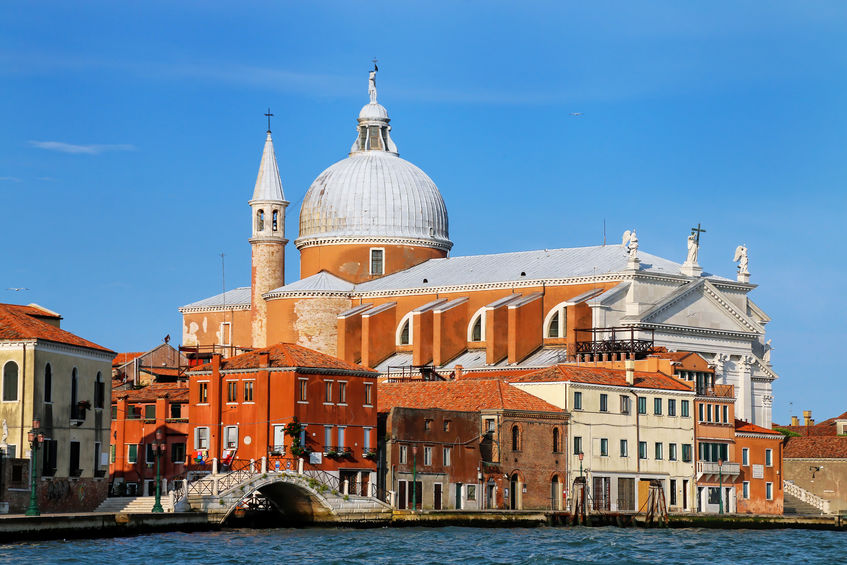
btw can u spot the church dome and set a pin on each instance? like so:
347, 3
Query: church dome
374, 196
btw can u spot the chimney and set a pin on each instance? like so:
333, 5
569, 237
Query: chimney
630, 372
459, 370
216, 362
795, 421
264, 359
807, 417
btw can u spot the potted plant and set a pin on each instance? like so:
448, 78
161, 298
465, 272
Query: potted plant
370, 454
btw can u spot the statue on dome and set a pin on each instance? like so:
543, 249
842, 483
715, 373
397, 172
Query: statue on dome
372, 85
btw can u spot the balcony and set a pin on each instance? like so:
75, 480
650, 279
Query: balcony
710, 471
613, 344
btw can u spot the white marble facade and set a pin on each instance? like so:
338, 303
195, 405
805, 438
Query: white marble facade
708, 315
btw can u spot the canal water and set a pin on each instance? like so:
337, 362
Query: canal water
445, 545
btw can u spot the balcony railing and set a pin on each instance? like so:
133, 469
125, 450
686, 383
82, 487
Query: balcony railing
712, 468
614, 343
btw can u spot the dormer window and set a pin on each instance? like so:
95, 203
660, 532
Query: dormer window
275, 221
260, 220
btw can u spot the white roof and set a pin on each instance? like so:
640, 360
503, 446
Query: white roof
319, 282
237, 297
268, 184
508, 267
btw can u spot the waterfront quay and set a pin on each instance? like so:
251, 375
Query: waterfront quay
92, 525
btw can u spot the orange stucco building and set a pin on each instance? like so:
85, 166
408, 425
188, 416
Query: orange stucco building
285, 403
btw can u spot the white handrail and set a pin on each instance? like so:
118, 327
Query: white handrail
810, 498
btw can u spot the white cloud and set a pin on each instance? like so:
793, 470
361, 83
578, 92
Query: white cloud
10, 179
95, 149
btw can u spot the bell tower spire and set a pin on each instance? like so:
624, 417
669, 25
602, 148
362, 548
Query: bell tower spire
268, 238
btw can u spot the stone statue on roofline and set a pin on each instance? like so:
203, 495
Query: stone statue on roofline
372, 86
741, 258
693, 249
630, 242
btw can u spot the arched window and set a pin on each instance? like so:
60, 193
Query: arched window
48, 383
10, 382
553, 326
404, 331
555, 440
516, 438
99, 391
555, 323
476, 329
275, 221
260, 220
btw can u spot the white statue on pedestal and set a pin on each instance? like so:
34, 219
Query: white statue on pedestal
693, 248
741, 258
766, 356
372, 86
630, 242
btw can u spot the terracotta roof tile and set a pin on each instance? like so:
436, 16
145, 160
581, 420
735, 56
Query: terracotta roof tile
748, 428
285, 355
816, 447
601, 376
25, 322
464, 395
175, 392
124, 358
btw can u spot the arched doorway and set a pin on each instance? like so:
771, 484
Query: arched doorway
555, 493
514, 492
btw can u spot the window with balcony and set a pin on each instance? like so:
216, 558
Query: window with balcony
327, 438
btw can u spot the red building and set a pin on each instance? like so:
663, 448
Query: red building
759, 486
136, 417
286, 402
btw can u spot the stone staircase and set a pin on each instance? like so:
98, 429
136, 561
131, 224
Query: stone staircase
793, 505
133, 504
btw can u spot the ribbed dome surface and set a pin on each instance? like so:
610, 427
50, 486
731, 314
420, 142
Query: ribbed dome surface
373, 111
374, 194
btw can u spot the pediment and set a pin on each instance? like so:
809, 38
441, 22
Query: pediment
700, 305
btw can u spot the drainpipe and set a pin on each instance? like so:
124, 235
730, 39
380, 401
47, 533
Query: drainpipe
23, 391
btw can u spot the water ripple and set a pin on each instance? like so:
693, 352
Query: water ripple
442, 546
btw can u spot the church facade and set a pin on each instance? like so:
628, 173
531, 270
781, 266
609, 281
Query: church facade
378, 287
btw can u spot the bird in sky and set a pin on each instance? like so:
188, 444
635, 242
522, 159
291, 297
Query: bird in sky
17, 289
576, 114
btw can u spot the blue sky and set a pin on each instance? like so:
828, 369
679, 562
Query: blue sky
131, 136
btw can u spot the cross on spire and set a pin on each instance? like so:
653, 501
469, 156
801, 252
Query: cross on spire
375, 61
696, 232
269, 115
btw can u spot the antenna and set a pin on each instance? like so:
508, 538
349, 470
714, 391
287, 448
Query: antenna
604, 232
223, 284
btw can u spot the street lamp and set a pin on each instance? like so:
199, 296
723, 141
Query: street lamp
158, 449
35, 437
720, 486
581, 456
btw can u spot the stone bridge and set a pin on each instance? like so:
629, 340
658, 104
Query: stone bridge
302, 496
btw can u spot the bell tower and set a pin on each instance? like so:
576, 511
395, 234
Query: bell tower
268, 239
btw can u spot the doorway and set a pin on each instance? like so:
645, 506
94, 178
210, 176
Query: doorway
436, 496
458, 496
514, 485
